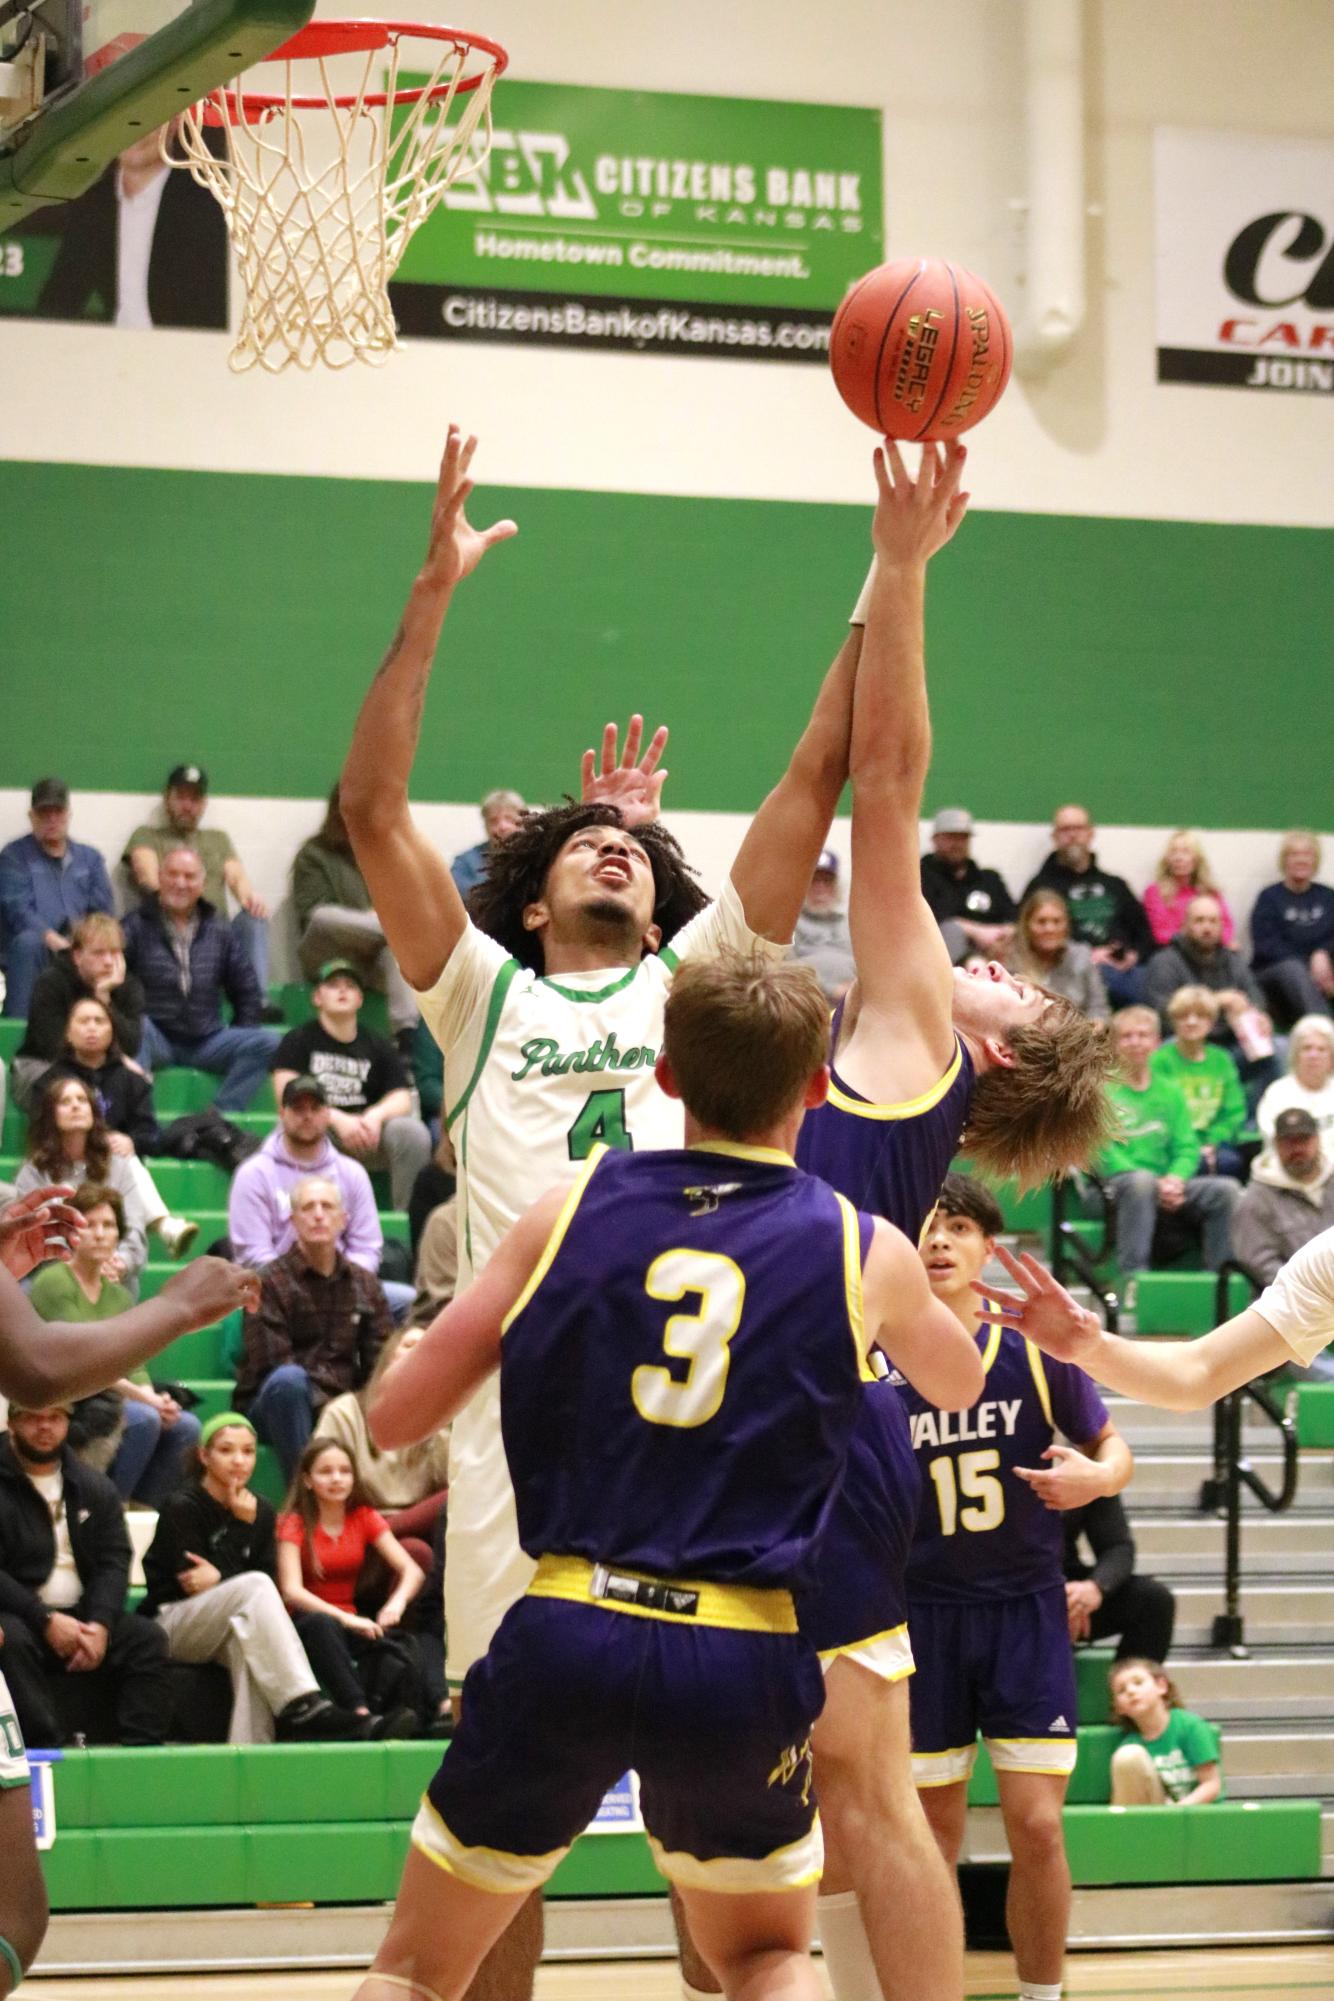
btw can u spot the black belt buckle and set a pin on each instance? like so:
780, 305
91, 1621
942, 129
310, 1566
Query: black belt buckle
653, 1596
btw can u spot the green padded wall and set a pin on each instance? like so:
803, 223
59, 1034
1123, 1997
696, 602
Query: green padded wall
1154, 665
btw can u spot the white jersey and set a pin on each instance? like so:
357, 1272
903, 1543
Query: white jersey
1299, 1305
537, 1072
13, 1757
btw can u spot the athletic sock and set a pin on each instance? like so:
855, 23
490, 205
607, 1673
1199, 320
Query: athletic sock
1034, 1990
847, 1951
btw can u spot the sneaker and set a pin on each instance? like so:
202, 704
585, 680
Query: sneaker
312, 1718
395, 1723
177, 1234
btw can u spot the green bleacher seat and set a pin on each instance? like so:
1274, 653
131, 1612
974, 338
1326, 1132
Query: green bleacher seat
14, 1130
394, 1223
1092, 1667
10, 1163
1233, 1841
259, 1123
1182, 1302
1315, 1414
194, 1357
178, 1090
12, 1032
189, 1185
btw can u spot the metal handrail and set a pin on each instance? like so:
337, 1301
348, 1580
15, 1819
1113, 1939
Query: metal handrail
1070, 1255
1232, 1471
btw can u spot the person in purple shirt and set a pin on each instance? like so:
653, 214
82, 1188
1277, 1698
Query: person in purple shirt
47, 884
259, 1206
986, 1584
1292, 934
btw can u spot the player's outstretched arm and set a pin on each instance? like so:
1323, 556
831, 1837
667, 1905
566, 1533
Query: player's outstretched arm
410, 884
1176, 1375
47, 1361
919, 1334
461, 1346
902, 964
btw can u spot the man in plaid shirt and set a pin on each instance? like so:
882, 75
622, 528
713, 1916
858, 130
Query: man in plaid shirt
319, 1327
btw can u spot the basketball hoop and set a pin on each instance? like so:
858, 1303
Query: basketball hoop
324, 187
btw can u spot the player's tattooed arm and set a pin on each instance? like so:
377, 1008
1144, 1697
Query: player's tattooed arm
411, 887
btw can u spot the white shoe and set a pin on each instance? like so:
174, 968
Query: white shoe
177, 1234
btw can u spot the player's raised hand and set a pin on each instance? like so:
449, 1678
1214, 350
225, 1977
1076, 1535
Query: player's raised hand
456, 547
915, 517
39, 1226
627, 781
1042, 1311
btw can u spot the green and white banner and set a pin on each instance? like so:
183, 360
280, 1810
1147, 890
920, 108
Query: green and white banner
652, 221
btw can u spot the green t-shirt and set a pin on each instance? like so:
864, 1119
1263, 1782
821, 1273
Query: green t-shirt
213, 847
1153, 1131
57, 1295
1211, 1088
1187, 1743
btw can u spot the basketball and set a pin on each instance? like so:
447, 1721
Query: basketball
920, 349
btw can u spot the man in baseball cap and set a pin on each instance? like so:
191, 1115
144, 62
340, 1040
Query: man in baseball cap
821, 936
47, 884
184, 802
1290, 1198
972, 906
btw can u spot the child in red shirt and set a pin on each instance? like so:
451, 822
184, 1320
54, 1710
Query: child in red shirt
323, 1541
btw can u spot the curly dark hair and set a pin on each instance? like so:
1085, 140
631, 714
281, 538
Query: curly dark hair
517, 871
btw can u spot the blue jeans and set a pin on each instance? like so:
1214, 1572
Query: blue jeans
151, 1456
241, 1056
398, 1298
25, 957
254, 935
283, 1415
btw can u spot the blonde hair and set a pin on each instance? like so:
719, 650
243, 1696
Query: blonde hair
744, 1036
1291, 838
1047, 1112
1136, 1013
1171, 1696
1201, 877
1187, 1000
97, 929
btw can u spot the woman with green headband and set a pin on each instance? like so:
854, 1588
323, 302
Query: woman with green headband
210, 1571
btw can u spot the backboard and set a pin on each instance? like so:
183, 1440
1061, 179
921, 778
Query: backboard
80, 80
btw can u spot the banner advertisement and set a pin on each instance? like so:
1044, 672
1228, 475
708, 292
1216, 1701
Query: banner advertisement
1245, 260
652, 222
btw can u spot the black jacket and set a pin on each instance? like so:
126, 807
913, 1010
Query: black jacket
187, 264
124, 1097
1105, 1525
192, 1521
977, 894
220, 966
1104, 909
97, 1534
57, 988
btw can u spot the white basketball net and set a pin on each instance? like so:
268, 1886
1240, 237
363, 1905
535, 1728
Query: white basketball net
321, 203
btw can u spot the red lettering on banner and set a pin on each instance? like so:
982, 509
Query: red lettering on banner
1283, 333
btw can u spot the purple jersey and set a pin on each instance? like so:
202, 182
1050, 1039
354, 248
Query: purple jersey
680, 1379
983, 1534
889, 1159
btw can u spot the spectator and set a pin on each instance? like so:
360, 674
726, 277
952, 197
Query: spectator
188, 959
437, 1262
68, 1143
1208, 1080
1292, 933
64, 1569
428, 1074
93, 967
502, 812
1044, 951
408, 1486
821, 936
259, 1218
333, 909
971, 905
1290, 1198
47, 884
121, 1092
211, 1577
1167, 1756
433, 1188
324, 1540
1182, 874
184, 801
1309, 1082
154, 1437
1197, 957
1150, 1166
319, 1327
1105, 913
1106, 1596
366, 1082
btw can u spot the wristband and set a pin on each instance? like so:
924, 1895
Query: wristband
863, 604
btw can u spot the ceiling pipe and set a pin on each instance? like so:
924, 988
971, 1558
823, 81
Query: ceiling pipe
1054, 207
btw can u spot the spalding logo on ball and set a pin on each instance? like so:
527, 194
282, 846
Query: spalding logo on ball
920, 349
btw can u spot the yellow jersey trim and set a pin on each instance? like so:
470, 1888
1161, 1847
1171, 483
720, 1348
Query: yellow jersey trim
793, 1867
1035, 1363
554, 1241
993, 1337
495, 1870
852, 1287
739, 1150
741, 1608
910, 1107
871, 1640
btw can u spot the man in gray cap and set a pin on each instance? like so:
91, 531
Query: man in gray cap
972, 906
1289, 1200
47, 883
184, 803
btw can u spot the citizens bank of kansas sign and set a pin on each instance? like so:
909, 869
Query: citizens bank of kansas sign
1245, 260
651, 221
